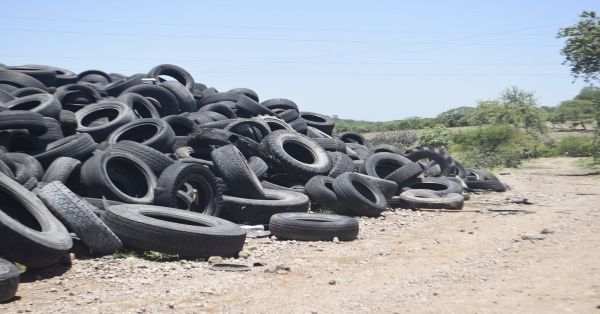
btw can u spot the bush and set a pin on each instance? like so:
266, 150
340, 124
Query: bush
438, 136
575, 146
492, 146
401, 139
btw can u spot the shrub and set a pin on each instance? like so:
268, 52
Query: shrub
492, 146
575, 146
438, 136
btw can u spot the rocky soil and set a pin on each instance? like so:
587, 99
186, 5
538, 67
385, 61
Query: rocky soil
497, 255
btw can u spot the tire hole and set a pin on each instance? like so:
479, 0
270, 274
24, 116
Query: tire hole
299, 152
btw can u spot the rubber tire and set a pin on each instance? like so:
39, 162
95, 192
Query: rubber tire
313, 227
97, 183
186, 100
430, 199
258, 166
273, 152
167, 102
79, 217
318, 121
331, 144
440, 185
248, 107
141, 106
32, 165
9, 280
321, 193
442, 158
233, 168
280, 103
388, 188
493, 185
162, 140
32, 121
64, 170
353, 200
381, 165
341, 163
35, 248
204, 236
176, 175
79, 146
405, 174
353, 137
46, 104
156, 160
178, 73
252, 211
20, 80
100, 132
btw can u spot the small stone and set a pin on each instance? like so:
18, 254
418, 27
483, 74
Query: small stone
53, 290
243, 254
279, 269
171, 305
546, 231
532, 237
332, 282
215, 260
336, 240
435, 294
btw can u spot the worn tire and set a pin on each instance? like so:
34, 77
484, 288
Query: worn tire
79, 217
233, 168
117, 114
79, 146
313, 227
156, 160
359, 195
31, 235
430, 199
174, 231
9, 280
155, 133
321, 193
341, 163
251, 211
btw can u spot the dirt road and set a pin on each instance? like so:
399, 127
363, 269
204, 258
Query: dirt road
544, 258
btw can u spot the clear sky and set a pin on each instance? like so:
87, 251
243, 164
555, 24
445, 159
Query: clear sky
371, 60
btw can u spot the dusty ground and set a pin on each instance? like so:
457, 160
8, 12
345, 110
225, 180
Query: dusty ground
546, 259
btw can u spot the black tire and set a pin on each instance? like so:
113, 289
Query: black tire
253, 128
116, 87
21, 141
280, 103
331, 144
388, 188
63, 76
141, 106
174, 231
315, 133
247, 107
31, 121
405, 174
247, 92
20, 80
167, 102
156, 160
299, 125
430, 199
440, 185
30, 233
313, 227
115, 113
359, 195
353, 137
493, 185
288, 115
485, 175
203, 137
43, 74
440, 157
118, 176
75, 96
155, 133
68, 122
181, 125
45, 104
9, 280
208, 195
186, 100
32, 165
258, 166
276, 124
361, 151
5, 96
381, 165
219, 108
341, 163
321, 193
294, 154
218, 97
95, 77
273, 186
233, 168
79, 217
179, 74
318, 121
26, 91
65, 170
252, 211
54, 132
386, 149
79, 146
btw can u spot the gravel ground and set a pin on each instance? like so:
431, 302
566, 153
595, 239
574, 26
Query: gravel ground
534, 258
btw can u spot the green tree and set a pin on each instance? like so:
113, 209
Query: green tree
456, 117
582, 54
582, 46
437, 136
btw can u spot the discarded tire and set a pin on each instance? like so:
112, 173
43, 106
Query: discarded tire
174, 231
313, 227
9, 280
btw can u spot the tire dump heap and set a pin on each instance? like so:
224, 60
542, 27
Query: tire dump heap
159, 162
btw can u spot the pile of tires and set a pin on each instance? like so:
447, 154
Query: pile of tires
157, 161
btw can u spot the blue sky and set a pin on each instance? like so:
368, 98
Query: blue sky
371, 60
